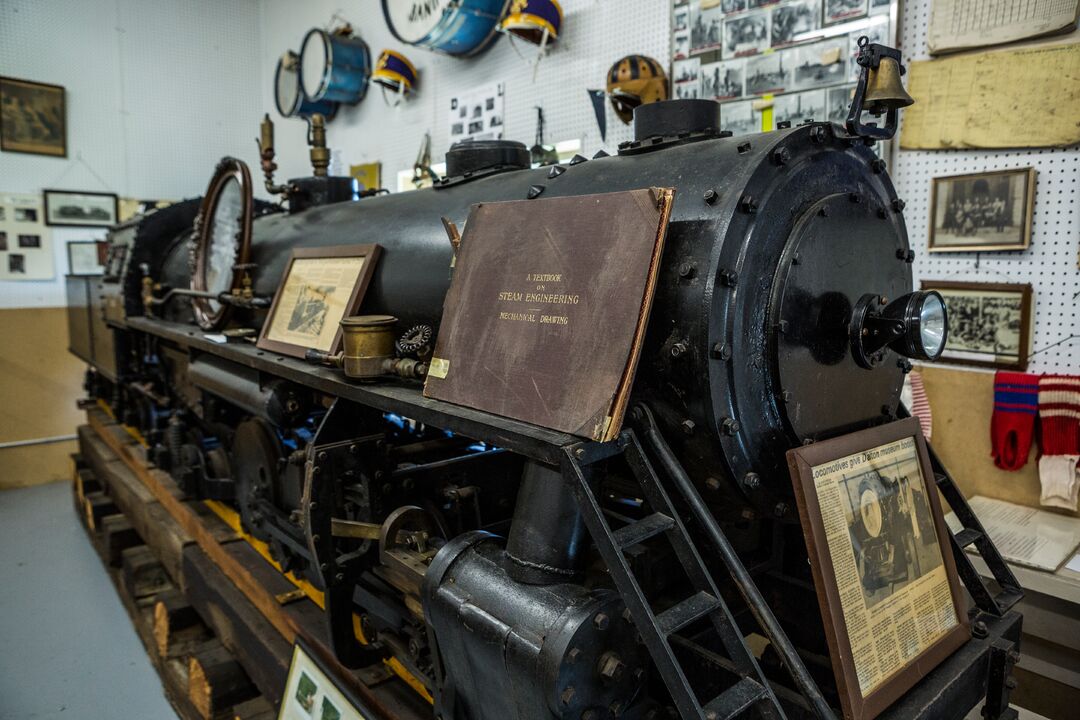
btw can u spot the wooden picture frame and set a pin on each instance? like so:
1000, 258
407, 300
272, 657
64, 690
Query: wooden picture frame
861, 500
33, 117
995, 193
962, 345
86, 257
315, 312
315, 679
78, 208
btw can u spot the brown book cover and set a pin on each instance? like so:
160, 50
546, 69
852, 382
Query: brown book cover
548, 307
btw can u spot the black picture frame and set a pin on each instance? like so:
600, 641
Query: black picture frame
33, 132
53, 217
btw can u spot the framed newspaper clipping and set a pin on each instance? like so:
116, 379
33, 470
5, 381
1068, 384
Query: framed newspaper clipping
883, 567
320, 286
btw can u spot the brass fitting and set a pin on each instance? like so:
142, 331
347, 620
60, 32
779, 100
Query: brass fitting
320, 154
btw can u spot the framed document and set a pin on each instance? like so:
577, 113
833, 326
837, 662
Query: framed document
883, 567
85, 257
312, 694
989, 323
321, 285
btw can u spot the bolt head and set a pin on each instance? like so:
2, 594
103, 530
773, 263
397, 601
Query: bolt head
567, 696
712, 483
751, 480
688, 427
710, 196
781, 509
601, 621
781, 156
878, 165
730, 426
818, 134
574, 655
686, 270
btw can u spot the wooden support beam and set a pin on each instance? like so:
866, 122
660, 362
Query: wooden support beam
216, 682
263, 653
142, 574
176, 624
97, 506
117, 535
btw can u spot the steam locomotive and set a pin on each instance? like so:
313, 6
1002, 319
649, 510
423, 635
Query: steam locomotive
513, 571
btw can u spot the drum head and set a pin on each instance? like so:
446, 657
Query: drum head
287, 85
314, 58
412, 20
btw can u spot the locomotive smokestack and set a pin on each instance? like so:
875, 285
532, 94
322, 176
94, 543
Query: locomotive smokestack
676, 117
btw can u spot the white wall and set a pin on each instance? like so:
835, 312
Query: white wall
595, 34
157, 92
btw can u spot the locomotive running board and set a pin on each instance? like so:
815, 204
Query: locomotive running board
658, 630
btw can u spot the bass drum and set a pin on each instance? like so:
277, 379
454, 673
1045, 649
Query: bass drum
461, 28
334, 67
288, 95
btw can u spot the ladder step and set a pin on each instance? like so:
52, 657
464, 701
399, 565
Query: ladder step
737, 699
682, 614
967, 536
642, 530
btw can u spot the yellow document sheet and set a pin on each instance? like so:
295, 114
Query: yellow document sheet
1019, 98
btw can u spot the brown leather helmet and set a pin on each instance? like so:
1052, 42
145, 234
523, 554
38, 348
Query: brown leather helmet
635, 80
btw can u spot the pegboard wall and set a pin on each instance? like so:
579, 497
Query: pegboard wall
595, 33
1049, 265
156, 92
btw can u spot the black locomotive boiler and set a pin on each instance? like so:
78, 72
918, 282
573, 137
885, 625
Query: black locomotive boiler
516, 572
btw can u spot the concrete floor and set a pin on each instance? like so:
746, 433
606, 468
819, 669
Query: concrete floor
67, 647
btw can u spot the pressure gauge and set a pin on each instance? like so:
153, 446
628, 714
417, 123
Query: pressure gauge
222, 241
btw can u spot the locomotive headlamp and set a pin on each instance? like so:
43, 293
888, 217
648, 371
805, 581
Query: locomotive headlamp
915, 325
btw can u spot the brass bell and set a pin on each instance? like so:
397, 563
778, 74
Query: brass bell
884, 89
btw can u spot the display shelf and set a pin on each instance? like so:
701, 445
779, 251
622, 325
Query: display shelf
408, 399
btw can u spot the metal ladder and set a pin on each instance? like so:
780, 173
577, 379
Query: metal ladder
973, 533
659, 630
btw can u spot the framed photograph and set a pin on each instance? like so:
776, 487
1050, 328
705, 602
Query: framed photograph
883, 567
72, 208
793, 19
989, 323
821, 64
706, 28
838, 11
314, 691
723, 80
33, 118
767, 73
86, 257
982, 211
746, 34
321, 285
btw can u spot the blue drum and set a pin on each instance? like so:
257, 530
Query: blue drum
334, 67
289, 98
454, 27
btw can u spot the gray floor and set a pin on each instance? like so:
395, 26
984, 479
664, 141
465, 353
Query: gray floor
67, 647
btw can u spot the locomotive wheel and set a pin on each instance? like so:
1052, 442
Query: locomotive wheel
256, 457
